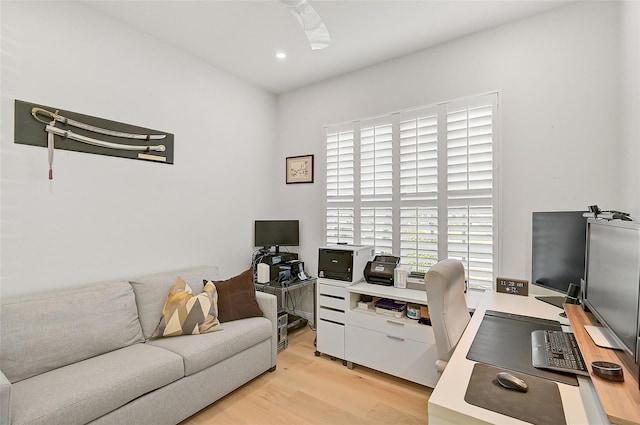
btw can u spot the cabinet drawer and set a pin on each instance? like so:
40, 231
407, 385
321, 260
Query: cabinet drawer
332, 315
336, 291
405, 358
330, 338
332, 302
401, 328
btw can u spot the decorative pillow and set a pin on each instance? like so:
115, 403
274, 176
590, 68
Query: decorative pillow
237, 298
186, 314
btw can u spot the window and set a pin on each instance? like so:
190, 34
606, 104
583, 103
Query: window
419, 184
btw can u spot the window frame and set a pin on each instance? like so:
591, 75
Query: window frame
442, 203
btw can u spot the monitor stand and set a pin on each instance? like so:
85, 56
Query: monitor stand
557, 301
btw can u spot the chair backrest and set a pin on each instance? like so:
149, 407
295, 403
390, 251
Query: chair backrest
444, 283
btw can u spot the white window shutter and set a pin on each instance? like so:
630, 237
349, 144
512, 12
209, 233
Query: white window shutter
419, 184
376, 167
376, 229
339, 226
419, 237
419, 158
340, 187
470, 191
470, 240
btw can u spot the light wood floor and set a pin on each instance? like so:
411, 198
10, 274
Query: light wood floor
306, 389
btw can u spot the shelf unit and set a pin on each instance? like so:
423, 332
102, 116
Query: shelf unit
398, 346
287, 318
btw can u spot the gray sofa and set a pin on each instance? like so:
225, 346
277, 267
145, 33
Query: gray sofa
82, 355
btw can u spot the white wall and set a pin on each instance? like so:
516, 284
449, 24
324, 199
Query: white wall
630, 105
101, 217
557, 74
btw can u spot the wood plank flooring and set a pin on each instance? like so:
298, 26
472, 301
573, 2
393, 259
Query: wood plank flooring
310, 390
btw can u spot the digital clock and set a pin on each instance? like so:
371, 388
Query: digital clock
512, 286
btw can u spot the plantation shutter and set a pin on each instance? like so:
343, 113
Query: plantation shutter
470, 191
376, 185
418, 184
418, 139
340, 192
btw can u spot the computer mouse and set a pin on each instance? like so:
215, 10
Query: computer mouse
509, 381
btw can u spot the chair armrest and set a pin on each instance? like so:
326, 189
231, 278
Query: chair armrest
5, 400
269, 305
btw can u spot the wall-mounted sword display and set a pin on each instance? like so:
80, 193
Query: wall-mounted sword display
89, 134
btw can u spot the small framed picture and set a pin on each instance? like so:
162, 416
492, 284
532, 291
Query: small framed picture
300, 169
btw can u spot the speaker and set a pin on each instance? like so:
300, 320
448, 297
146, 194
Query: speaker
263, 273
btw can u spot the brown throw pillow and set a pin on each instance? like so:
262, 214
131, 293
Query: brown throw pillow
186, 314
237, 298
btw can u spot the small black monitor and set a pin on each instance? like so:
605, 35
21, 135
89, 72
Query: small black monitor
558, 251
277, 233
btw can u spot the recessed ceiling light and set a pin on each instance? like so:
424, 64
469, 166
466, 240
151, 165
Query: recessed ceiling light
281, 55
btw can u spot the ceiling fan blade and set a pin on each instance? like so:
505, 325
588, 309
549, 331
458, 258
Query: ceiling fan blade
311, 23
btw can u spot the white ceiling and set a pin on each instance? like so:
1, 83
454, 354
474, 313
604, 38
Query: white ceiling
242, 37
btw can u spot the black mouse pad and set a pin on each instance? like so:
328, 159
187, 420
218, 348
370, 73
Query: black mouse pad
541, 404
504, 340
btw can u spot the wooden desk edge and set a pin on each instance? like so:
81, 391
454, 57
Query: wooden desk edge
620, 400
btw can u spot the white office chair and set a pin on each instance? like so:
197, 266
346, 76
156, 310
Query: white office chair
444, 283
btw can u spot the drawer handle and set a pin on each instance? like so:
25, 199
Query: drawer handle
397, 338
395, 323
323, 307
331, 321
335, 297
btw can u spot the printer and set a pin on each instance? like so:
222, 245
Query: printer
343, 262
381, 270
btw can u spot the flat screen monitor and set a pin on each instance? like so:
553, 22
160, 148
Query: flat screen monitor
277, 233
612, 280
558, 251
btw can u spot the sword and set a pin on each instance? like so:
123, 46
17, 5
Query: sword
95, 142
50, 146
57, 117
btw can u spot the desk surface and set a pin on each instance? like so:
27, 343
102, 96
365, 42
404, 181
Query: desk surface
447, 404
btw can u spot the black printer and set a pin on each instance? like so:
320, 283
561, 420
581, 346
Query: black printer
380, 271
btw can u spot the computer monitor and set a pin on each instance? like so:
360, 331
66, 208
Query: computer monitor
612, 282
557, 251
277, 233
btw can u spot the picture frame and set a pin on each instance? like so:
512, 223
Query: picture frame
299, 169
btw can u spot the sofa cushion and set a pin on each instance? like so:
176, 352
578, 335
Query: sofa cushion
187, 314
202, 351
151, 292
84, 391
237, 298
44, 331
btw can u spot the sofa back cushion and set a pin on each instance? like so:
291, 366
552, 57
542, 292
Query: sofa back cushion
152, 290
43, 331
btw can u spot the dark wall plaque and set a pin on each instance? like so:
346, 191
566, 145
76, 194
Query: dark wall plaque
30, 131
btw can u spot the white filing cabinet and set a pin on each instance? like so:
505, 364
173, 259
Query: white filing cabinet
331, 306
398, 346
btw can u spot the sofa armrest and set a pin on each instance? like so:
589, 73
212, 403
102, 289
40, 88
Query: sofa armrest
5, 400
269, 305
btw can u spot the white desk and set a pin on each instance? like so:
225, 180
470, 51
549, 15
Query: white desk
446, 403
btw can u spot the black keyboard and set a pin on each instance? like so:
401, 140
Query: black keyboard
557, 350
